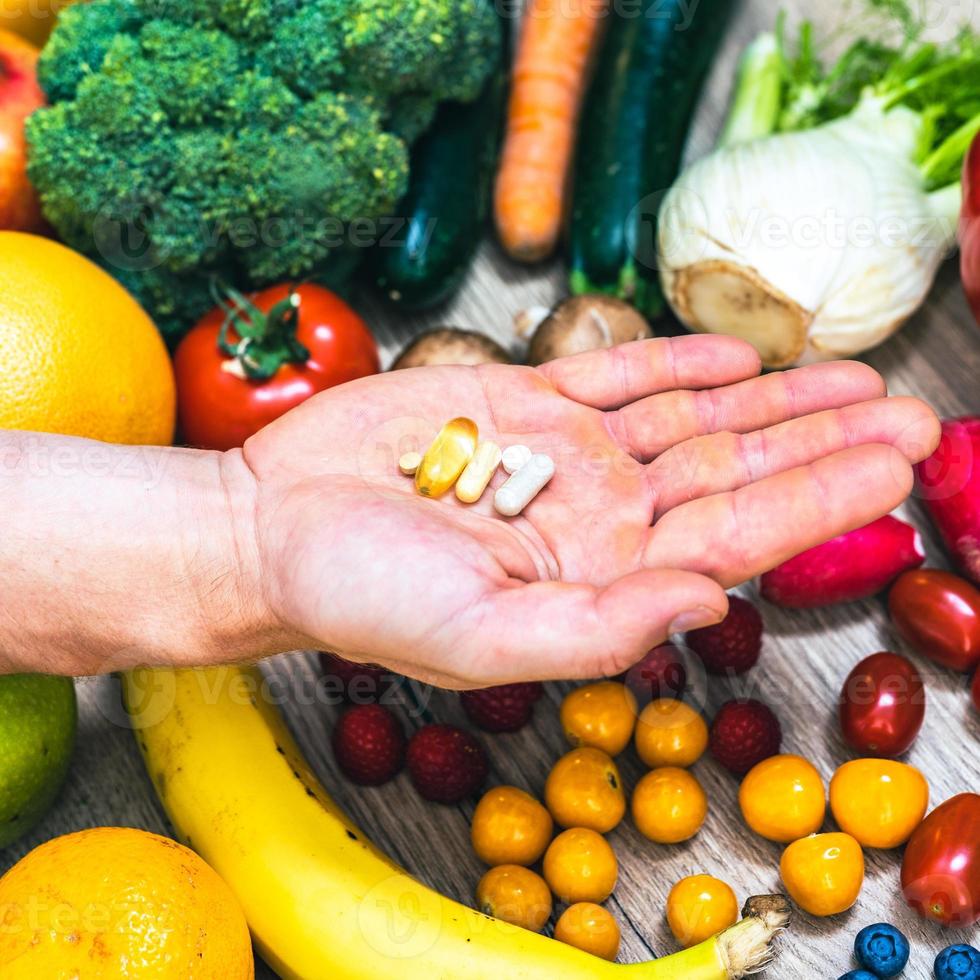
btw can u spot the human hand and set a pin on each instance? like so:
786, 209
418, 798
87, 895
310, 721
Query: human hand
680, 473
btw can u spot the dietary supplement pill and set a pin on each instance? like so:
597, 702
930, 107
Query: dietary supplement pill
515, 457
524, 485
447, 457
478, 473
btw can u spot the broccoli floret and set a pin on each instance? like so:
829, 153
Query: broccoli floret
189, 139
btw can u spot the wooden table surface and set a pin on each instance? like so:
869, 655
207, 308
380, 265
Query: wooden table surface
806, 657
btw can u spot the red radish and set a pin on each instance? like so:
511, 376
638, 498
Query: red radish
853, 566
949, 484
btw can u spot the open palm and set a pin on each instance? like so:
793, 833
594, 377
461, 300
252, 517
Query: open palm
680, 473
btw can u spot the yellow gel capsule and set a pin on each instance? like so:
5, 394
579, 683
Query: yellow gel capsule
478, 473
447, 457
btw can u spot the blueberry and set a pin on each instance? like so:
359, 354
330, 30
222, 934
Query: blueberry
858, 975
958, 963
882, 949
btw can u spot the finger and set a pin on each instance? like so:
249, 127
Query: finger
728, 461
616, 376
751, 530
649, 427
561, 630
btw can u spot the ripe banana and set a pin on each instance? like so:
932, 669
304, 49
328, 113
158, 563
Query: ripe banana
322, 902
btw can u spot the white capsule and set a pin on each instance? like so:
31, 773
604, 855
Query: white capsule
408, 463
478, 473
515, 457
524, 485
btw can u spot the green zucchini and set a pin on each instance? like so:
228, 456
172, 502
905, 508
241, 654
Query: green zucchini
442, 216
632, 134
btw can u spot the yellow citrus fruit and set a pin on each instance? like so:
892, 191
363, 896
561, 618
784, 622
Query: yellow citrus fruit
585, 789
94, 903
879, 802
670, 733
823, 873
699, 907
669, 805
515, 895
589, 927
602, 715
510, 827
580, 866
78, 356
782, 798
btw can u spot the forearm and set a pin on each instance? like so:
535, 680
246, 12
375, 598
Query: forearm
115, 556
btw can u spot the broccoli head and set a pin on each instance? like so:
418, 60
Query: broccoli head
192, 139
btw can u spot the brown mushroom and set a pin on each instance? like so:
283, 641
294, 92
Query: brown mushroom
582, 323
450, 345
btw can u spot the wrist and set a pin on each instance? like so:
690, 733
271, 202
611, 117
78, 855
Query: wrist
234, 614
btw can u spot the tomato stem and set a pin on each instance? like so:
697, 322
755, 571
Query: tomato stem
266, 340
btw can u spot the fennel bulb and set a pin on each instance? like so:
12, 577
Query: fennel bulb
816, 228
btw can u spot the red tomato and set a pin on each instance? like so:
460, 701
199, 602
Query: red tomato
289, 355
882, 705
941, 867
975, 689
938, 614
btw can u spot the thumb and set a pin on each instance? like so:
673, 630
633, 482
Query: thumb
568, 631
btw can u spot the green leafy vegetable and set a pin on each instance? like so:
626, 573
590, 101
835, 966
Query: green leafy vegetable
786, 88
241, 138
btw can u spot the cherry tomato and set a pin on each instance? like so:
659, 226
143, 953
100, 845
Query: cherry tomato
941, 867
882, 705
938, 615
279, 347
975, 689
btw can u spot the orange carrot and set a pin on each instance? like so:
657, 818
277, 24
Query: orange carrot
557, 41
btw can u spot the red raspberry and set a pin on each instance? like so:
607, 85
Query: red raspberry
369, 744
660, 674
502, 709
734, 644
743, 734
359, 683
446, 764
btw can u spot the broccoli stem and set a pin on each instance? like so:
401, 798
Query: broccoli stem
757, 103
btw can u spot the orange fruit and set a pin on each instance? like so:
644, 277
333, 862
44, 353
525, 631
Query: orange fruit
782, 798
94, 903
823, 873
669, 805
670, 733
31, 19
589, 927
585, 789
602, 715
510, 827
515, 895
699, 907
580, 866
78, 355
879, 802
